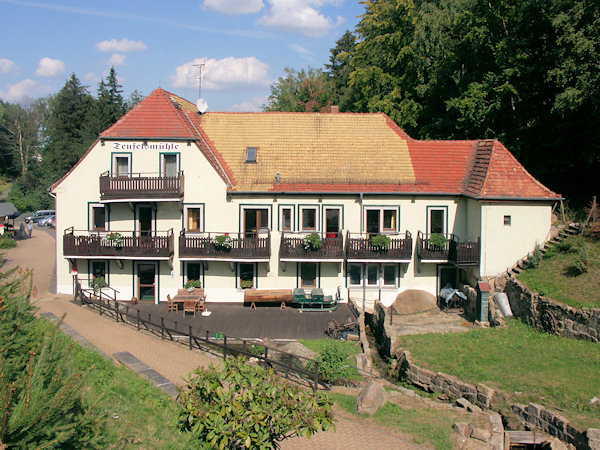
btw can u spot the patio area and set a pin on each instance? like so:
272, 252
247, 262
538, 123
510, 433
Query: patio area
235, 320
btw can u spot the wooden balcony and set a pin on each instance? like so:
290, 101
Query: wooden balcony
90, 244
239, 247
461, 253
140, 187
292, 248
359, 247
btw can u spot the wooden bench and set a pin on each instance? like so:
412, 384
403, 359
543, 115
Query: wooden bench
281, 296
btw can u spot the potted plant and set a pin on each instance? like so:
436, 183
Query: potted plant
98, 283
437, 241
246, 284
223, 242
381, 242
312, 241
114, 239
190, 285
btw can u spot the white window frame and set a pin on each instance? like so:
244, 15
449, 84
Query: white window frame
396, 277
378, 277
238, 274
114, 163
200, 220
381, 210
185, 271
292, 218
257, 206
163, 164
301, 216
91, 225
361, 266
324, 218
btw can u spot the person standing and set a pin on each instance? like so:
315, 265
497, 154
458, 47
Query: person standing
29, 228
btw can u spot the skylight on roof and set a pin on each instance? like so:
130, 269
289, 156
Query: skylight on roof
251, 154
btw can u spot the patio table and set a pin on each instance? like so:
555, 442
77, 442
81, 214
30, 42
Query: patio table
197, 297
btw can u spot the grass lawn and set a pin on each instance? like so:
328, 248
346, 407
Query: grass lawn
556, 277
426, 425
527, 364
137, 413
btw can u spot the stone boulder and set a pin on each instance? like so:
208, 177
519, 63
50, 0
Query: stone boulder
363, 362
371, 398
413, 301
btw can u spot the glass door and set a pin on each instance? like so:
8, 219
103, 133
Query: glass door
332, 222
146, 282
373, 216
170, 165
145, 222
255, 220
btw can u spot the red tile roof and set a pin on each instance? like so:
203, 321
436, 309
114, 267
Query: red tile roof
482, 169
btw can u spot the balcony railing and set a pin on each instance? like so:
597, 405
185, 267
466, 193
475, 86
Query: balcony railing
238, 245
122, 244
360, 246
462, 253
292, 247
140, 186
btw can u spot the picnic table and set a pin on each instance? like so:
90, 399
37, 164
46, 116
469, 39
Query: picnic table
192, 301
281, 296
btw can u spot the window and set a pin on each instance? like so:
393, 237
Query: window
121, 166
285, 218
355, 274
389, 275
193, 218
170, 165
308, 218
437, 220
246, 275
255, 220
193, 271
372, 274
98, 217
308, 275
380, 220
332, 221
98, 269
507, 220
251, 154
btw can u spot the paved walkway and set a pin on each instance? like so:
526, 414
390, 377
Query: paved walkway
172, 360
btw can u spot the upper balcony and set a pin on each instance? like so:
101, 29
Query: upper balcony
448, 249
369, 247
140, 186
118, 244
225, 246
294, 247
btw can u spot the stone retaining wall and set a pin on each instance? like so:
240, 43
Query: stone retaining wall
548, 315
439, 382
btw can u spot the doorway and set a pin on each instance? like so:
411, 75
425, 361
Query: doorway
255, 220
170, 165
146, 280
145, 220
332, 222
447, 275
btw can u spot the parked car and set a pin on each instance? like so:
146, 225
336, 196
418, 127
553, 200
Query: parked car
45, 221
52, 222
39, 215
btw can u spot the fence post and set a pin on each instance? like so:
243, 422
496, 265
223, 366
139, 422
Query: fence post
316, 377
190, 334
138, 319
207, 335
100, 306
117, 312
224, 347
266, 356
244, 348
162, 328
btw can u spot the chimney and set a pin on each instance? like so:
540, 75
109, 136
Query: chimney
335, 109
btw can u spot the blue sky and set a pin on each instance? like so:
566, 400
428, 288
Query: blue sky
245, 45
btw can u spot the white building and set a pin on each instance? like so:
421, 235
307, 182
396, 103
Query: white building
165, 181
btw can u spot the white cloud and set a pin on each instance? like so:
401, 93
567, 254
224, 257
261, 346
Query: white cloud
300, 17
252, 105
304, 53
91, 77
226, 73
117, 59
7, 66
50, 67
235, 6
123, 46
23, 89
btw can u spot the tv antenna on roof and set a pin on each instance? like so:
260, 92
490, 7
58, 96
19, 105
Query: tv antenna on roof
201, 103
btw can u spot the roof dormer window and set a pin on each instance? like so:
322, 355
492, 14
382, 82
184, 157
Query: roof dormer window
251, 154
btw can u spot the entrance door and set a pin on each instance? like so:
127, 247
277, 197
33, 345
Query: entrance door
332, 222
146, 282
170, 165
447, 275
145, 222
373, 221
255, 220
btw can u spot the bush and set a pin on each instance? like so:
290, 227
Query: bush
223, 242
6, 242
381, 242
256, 349
313, 241
535, 258
564, 246
582, 259
333, 363
243, 406
437, 240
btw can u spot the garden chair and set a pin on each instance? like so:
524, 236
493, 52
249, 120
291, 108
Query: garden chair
190, 306
171, 305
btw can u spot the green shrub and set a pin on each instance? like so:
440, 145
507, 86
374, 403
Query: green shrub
192, 284
333, 363
242, 406
535, 258
6, 242
256, 349
564, 246
312, 241
223, 242
98, 283
582, 259
437, 240
381, 242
